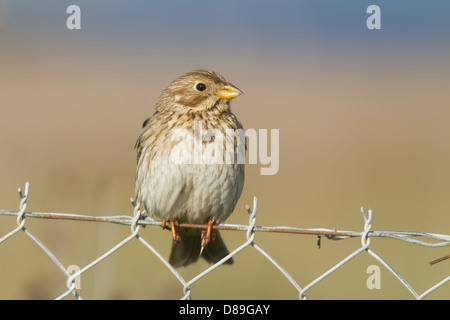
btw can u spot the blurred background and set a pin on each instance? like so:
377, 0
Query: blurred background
363, 116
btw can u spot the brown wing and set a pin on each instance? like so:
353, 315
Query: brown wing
138, 144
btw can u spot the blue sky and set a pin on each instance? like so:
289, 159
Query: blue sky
282, 22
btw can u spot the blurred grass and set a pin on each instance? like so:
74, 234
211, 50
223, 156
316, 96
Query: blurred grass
383, 145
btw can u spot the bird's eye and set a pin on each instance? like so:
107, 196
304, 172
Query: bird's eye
200, 86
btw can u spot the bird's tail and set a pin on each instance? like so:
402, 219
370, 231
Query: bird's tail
188, 250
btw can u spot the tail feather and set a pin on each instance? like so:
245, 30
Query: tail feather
188, 250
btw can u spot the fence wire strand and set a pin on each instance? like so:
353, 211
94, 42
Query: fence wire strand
140, 218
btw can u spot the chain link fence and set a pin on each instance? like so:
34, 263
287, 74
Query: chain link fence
140, 219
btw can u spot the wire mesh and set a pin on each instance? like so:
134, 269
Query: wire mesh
139, 219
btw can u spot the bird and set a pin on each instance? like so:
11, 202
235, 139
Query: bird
189, 163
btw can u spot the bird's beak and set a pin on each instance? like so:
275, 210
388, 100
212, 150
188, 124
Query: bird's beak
228, 92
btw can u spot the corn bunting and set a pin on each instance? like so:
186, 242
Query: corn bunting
190, 163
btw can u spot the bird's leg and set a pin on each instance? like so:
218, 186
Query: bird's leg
176, 237
208, 234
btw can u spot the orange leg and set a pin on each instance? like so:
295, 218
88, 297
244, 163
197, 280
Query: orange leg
208, 234
176, 237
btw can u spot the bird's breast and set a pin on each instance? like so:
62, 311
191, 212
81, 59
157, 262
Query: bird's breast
196, 171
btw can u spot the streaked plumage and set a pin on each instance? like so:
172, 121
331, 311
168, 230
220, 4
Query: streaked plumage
188, 191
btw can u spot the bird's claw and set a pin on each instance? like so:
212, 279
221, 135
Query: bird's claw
176, 237
208, 234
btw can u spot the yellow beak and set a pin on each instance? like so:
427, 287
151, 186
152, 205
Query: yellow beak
228, 92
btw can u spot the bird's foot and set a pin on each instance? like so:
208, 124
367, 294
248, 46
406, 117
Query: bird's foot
176, 237
208, 234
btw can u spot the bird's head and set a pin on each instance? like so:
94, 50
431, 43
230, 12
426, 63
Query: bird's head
199, 91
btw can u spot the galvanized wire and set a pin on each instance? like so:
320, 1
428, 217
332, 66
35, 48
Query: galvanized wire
139, 218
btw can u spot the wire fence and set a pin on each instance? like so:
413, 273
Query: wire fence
140, 219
